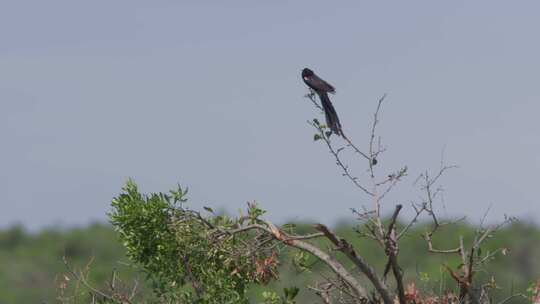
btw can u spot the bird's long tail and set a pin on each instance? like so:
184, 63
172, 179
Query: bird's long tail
332, 120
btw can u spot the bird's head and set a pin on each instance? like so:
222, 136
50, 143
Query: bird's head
307, 73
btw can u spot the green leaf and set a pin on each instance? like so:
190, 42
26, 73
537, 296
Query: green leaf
208, 209
316, 137
291, 293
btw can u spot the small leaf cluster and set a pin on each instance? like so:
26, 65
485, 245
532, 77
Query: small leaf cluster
289, 294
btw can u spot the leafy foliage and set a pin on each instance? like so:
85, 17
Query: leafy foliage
187, 258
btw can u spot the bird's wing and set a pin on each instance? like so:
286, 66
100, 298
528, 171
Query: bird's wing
316, 83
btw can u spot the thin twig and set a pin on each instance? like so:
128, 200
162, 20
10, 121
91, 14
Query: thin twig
339, 162
80, 278
372, 137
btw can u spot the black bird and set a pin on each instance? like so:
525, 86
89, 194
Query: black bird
322, 88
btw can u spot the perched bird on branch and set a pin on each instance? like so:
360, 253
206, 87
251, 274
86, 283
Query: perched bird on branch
322, 88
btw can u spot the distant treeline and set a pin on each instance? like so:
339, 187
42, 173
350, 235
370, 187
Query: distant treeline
31, 265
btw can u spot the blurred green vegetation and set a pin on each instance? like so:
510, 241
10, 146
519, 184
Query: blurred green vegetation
31, 266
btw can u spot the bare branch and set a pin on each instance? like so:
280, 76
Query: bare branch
339, 162
351, 144
392, 250
323, 291
373, 153
343, 246
511, 297
297, 242
413, 221
311, 96
394, 179
81, 278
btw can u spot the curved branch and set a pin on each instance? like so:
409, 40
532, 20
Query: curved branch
297, 242
346, 248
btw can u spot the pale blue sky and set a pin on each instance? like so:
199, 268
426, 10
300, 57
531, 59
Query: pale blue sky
208, 94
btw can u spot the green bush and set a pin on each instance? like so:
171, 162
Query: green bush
187, 258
